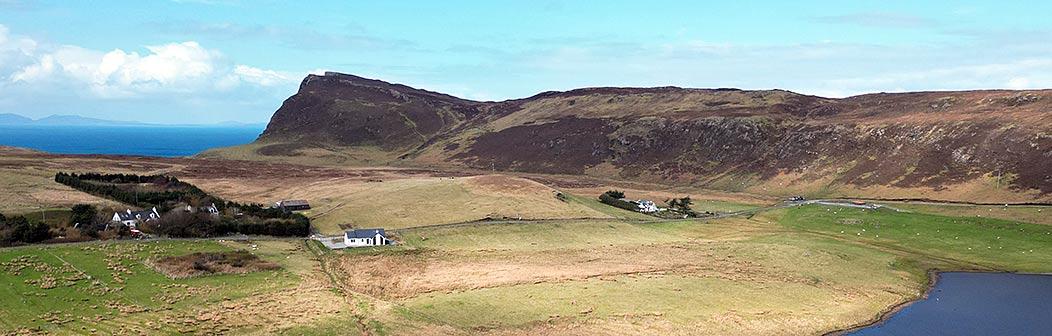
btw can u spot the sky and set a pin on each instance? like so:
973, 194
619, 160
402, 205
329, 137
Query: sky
207, 61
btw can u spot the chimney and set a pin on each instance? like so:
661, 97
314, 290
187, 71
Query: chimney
129, 211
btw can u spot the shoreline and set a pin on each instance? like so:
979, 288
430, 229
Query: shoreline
933, 278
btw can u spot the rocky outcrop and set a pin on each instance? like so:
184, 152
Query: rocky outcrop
346, 110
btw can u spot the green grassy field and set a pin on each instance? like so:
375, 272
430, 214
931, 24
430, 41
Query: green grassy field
108, 287
983, 243
1028, 214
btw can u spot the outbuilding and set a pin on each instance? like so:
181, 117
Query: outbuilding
292, 205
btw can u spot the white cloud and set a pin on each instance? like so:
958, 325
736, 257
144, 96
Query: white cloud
183, 82
178, 67
264, 77
13, 49
184, 67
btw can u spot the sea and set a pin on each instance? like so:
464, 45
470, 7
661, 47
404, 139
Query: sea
963, 304
165, 141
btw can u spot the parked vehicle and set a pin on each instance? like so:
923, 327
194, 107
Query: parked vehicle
797, 199
138, 234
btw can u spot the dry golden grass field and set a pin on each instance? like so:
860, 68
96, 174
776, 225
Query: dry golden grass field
401, 201
798, 271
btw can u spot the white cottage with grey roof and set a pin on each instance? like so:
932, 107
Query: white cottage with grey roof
365, 237
132, 218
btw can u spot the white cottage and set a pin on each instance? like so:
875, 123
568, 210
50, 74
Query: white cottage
646, 206
365, 237
132, 218
210, 209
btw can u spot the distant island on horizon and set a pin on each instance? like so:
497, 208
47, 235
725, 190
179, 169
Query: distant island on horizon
12, 119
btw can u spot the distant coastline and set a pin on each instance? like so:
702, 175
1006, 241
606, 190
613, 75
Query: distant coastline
11, 119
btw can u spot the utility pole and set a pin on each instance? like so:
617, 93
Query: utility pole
998, 178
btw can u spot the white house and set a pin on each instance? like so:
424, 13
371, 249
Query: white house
132, 218
365, 237
211, 209
646, 206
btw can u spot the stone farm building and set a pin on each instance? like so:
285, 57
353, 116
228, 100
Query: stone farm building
292, 205
365, 237
132, 218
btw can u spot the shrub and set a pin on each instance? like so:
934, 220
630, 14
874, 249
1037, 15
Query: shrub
18, 229
610, 197
616, 194
83, 213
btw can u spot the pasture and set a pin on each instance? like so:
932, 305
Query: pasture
108, 288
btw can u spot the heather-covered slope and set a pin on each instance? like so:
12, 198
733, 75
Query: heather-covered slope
974, 145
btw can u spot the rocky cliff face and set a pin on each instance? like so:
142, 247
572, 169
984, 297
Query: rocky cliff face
701, 137
346, 110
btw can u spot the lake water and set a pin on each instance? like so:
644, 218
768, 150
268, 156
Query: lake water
976, 304
138, 140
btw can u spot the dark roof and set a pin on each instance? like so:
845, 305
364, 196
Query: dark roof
145, 214
293, 203
365, 233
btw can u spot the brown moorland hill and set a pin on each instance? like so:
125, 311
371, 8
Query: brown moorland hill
977, 145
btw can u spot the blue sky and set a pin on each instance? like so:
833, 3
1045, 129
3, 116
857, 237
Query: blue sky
203, 61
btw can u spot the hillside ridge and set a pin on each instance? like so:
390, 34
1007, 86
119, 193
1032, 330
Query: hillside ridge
982, 141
